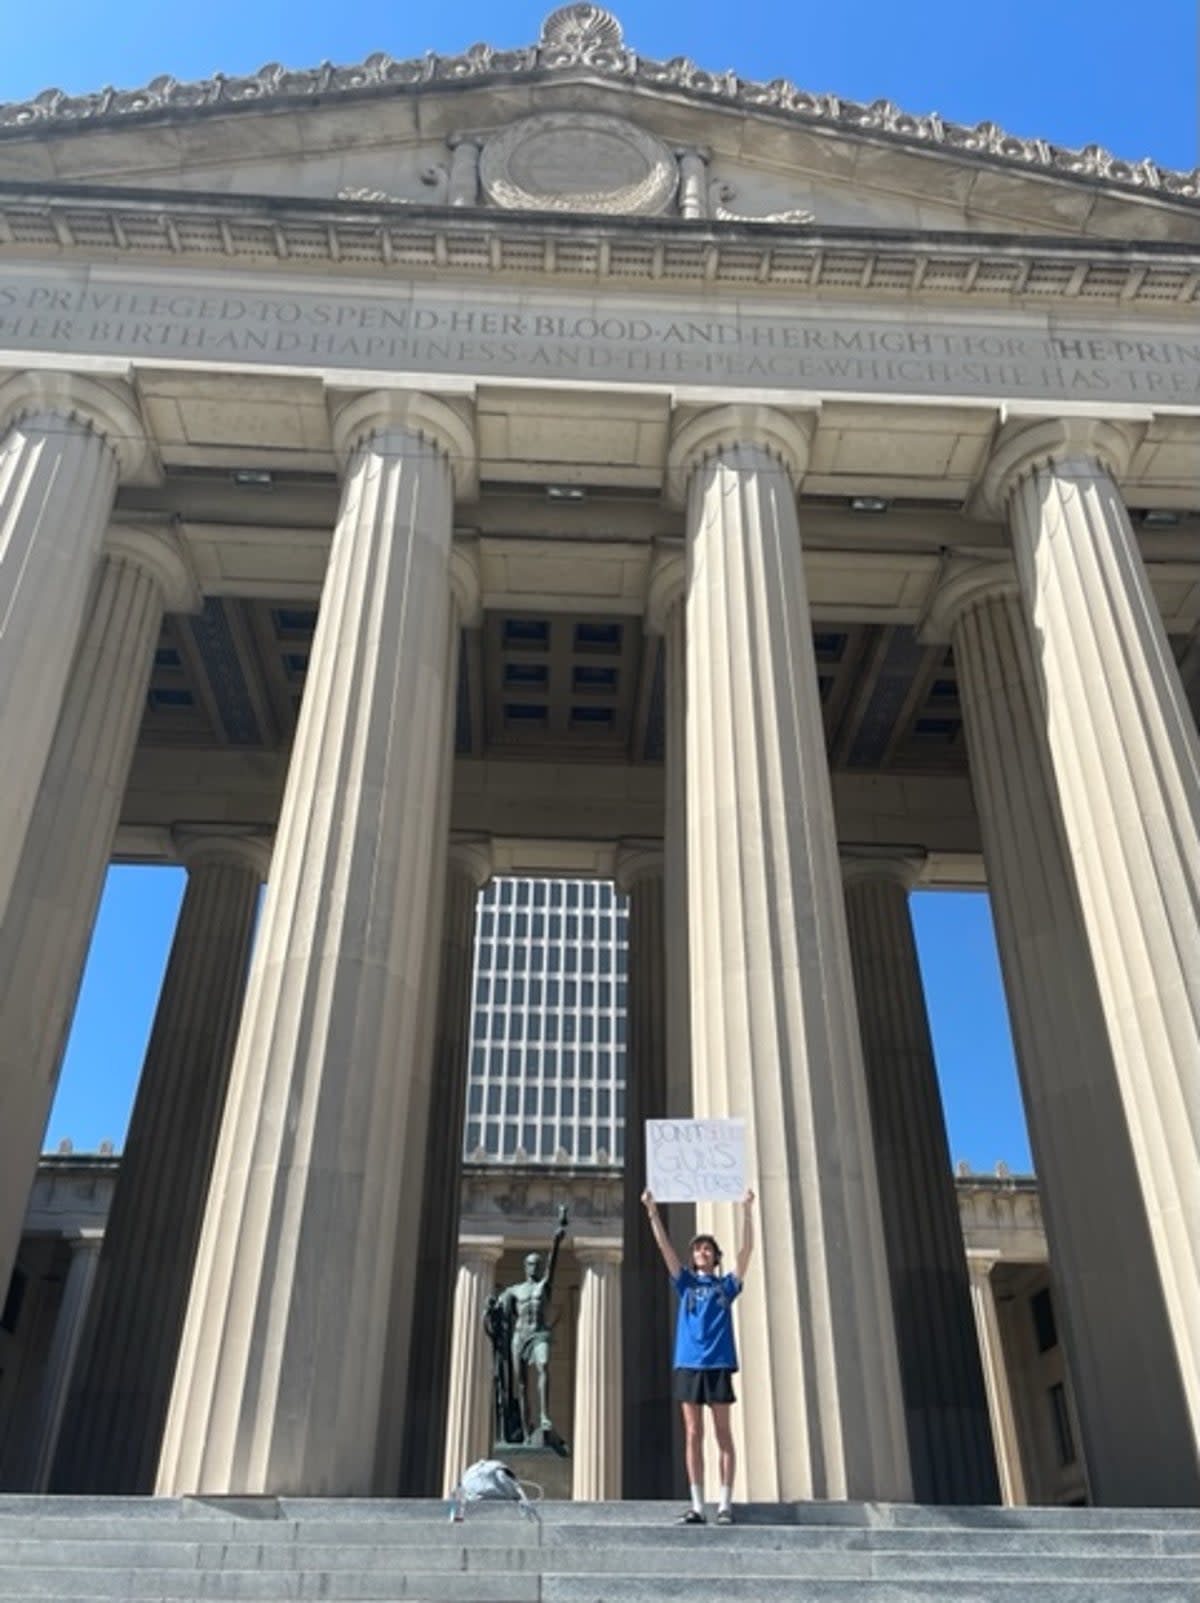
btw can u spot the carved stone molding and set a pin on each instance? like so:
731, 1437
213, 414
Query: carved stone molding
575, 161
587, 38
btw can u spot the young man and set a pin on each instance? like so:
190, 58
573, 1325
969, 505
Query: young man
705, 1350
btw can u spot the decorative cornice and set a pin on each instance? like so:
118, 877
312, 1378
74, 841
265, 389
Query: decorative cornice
886, 265
785, 436
585, 41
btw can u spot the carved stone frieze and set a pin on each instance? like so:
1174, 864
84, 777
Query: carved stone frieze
586, 38
722, 193
578, 162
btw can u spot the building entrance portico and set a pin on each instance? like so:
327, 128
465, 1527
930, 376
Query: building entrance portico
538, 511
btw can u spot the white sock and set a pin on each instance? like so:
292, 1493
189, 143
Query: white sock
697, 1497
726, 1497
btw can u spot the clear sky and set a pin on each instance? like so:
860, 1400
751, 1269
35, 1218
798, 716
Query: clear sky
1074, 72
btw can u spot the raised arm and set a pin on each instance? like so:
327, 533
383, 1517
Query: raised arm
746, 1245
669, 1256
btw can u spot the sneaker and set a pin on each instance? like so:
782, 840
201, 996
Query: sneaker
692, 1517
724, 1516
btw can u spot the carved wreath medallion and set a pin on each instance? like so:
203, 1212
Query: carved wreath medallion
578, 162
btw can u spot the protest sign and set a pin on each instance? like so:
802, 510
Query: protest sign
696, 1160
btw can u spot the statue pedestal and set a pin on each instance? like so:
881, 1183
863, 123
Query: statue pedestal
545, 1466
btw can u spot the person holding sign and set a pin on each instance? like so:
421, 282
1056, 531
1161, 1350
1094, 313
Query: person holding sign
705, 1350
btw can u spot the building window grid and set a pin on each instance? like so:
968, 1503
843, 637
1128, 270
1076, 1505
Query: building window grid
550, 1065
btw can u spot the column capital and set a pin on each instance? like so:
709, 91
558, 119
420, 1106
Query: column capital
107, 408
636, 862
1027, 443
480, 1252
472, 858
163, 556
597, 1251
466, 581
668, 584
196, 847
700, 436
965, 583
896, 865
447, 424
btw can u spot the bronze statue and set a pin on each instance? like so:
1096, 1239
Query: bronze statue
525, 1308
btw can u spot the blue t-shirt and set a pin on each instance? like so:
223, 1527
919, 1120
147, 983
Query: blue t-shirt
704, 1329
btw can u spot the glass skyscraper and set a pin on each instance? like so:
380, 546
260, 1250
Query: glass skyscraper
547, 1056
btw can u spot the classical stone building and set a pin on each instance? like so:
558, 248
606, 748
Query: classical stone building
353, 423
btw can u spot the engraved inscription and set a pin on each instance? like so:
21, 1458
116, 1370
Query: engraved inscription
428, 330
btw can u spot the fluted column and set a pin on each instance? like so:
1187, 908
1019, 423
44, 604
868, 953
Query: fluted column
774, 1026
64, 443
45, 933
113, 1430
286, 1343
1126, 760
596, 1451
1114, 1320
469, 1412
469, 867
944, 1400
995, 1375
649, 1426
64, 1349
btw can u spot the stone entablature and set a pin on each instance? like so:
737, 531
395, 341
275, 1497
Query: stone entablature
586, 41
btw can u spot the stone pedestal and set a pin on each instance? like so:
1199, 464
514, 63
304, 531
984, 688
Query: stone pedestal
118, 1406
470, 1412
64, 443
945, 1405
287, 1346
45, 933
1124, 1365
596, 1450
469, 868
774, 1025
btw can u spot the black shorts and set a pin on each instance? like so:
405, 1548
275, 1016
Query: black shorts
704, 1386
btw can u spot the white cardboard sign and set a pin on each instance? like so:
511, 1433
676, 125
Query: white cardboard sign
696, 1160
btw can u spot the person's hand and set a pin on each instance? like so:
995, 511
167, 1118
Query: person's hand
648, 1202
748, 1199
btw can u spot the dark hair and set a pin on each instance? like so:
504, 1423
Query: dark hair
697, 1241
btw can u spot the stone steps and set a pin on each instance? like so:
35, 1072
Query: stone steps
267, 1550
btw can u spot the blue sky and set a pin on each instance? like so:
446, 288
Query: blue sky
1075, 72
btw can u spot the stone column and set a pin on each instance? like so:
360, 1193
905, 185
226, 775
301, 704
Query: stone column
649, 1424
64, 1349
469, 867
64, 443
113, 1431
944, 1401
462, 188
774, 1025
469, 1411
45, 933
286, 1344
995, 1376
596, 1450
1126, 760
1125, 1366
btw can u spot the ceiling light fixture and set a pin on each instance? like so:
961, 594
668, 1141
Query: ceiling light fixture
1160, 518
869, 503
253, 478
565, 492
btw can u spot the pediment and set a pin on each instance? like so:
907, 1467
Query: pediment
579, 123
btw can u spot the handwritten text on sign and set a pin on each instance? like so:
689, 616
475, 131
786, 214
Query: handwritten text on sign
696, 1160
